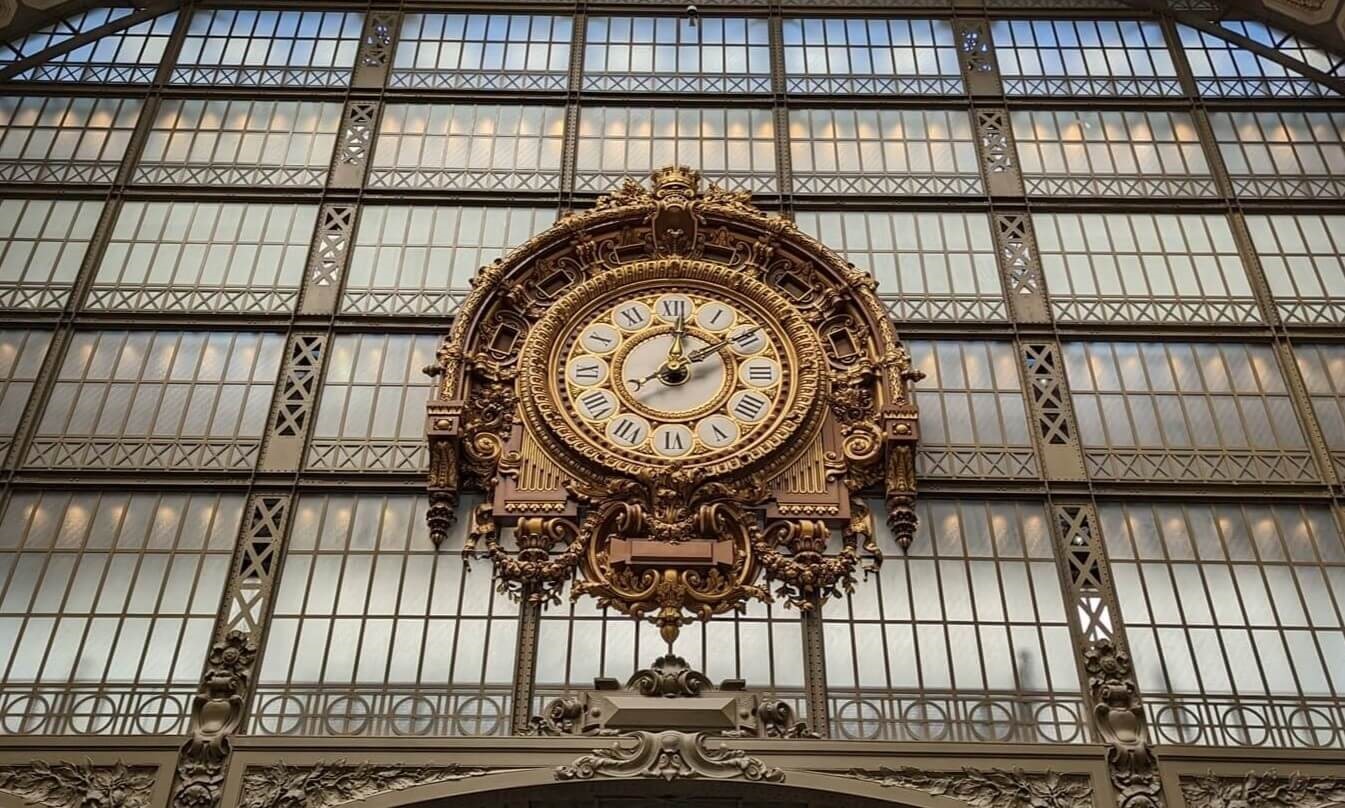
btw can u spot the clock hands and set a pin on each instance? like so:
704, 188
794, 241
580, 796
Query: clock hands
701, 353
679, 337
638, 383
676, 367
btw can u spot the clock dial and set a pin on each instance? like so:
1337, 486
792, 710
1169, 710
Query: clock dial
674, 375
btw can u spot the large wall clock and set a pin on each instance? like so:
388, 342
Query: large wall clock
673, 402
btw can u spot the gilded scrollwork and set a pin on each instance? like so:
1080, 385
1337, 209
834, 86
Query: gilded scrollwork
674, 541
680, 508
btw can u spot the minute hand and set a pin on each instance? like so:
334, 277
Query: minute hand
714, 347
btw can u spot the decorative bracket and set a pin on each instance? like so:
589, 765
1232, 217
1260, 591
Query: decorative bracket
670, 694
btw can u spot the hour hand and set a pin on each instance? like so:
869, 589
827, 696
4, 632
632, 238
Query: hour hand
641, 382
679, 333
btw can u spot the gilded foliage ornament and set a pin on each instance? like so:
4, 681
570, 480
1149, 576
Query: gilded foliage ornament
71, 785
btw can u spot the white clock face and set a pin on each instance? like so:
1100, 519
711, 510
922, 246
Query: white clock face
674, 375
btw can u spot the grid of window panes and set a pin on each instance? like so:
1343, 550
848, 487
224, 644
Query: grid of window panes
42, 245
579, 642
928, 266
1185, 411
128, 400
973, 417
107, 604
240, 142
378, 632
1233, 613
269, 48
420, 260
1303, 257
1225, 69
677, 55
486, 147
21, 356
130, 55
497, 119
49, 139
482, 52
837, 56
1283, 154
883, 152
204, 256
975, 610
1110, 153
1084, 57
734, 147
1135, 267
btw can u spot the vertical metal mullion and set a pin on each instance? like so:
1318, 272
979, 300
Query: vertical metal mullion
569, 158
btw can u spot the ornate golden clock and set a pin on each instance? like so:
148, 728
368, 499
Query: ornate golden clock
669, 400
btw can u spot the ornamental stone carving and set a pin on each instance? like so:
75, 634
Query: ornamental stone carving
330, 784
670, 755
672, 695
994, 788
1267, 790
217, 712
71, 785
783, 395
1120, 720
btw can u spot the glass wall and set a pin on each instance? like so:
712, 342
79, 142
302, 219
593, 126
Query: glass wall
232, 239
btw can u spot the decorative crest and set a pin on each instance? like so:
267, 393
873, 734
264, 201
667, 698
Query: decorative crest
670, 677
670, 755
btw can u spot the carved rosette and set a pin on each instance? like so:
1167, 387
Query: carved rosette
70, 785
670, 755
1120, 720
329, 784
784, 513
993, 788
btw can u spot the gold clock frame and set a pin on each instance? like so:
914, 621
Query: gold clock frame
543, 406
673, 541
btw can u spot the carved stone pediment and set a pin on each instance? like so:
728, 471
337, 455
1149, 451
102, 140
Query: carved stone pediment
670, 695
668, 755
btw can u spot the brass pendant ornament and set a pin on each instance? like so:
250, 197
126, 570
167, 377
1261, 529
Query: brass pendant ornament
671, 401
